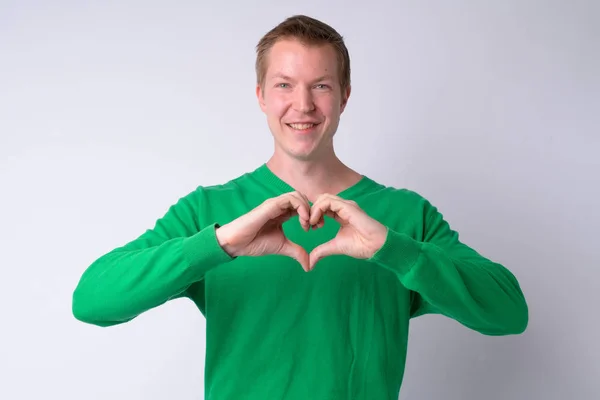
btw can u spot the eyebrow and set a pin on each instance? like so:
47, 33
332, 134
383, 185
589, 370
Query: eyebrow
287, 78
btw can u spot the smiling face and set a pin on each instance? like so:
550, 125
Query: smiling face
302, 98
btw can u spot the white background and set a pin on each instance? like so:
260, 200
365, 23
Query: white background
110, 111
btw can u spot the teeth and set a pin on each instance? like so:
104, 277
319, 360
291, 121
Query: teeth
302, 126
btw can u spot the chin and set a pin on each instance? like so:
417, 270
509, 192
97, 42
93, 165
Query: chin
300, 154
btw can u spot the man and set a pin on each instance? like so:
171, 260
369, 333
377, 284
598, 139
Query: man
307, 272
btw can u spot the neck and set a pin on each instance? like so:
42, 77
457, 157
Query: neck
314, 177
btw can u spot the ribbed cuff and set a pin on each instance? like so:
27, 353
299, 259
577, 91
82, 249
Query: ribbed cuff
399, 253
203, 250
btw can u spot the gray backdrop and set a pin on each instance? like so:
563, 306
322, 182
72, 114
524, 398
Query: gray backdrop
110, 111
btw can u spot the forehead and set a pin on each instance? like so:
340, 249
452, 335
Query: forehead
292, 58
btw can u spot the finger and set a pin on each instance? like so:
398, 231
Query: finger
284, 217
329, 214
304, 197
317, 211
328, 205
280, 206
303, 210
333, 215
322, 251
296, 252
299, 203
321, 222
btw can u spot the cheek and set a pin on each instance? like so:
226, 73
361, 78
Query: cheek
276, 107
328, 107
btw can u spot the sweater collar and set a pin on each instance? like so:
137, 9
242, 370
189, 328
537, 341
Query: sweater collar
268, 177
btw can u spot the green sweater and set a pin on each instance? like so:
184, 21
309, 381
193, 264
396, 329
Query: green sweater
276, 332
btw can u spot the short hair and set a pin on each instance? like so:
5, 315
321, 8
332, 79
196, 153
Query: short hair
308, 31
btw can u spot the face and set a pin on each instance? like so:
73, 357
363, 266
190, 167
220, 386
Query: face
302, 98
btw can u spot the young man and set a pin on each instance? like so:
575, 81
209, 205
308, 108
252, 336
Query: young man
307, 272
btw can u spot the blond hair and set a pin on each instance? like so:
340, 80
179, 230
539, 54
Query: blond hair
308, 31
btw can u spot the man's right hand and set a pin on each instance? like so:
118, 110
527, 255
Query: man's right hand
260, 232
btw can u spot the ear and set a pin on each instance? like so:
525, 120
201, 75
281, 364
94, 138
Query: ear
345, 97
260, 95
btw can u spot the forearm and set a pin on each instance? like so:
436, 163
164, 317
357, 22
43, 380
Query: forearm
130, 280
458, 282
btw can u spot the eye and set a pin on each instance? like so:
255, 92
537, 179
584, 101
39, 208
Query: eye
322, 86
282, 85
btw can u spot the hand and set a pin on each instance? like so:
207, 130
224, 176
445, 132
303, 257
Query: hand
360, 236
260, 232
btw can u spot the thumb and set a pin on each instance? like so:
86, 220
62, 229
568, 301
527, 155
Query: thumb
296, 252
322, 251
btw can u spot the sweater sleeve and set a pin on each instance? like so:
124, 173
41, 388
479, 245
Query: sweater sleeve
158, 266
447, 277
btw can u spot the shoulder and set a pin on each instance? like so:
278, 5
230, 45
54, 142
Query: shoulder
403, 209
233, 186
227, 200
396, 197
197, 197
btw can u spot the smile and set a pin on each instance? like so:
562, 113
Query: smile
302, 126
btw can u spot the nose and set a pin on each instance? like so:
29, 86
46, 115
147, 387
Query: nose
303, 100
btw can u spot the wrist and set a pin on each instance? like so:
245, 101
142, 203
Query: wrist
224, 239
379, 239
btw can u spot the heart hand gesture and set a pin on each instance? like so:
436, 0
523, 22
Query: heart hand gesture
260, 231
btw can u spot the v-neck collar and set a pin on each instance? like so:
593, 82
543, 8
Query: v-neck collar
264, 173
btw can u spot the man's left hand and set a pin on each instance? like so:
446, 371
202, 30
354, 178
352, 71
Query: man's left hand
360, 236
